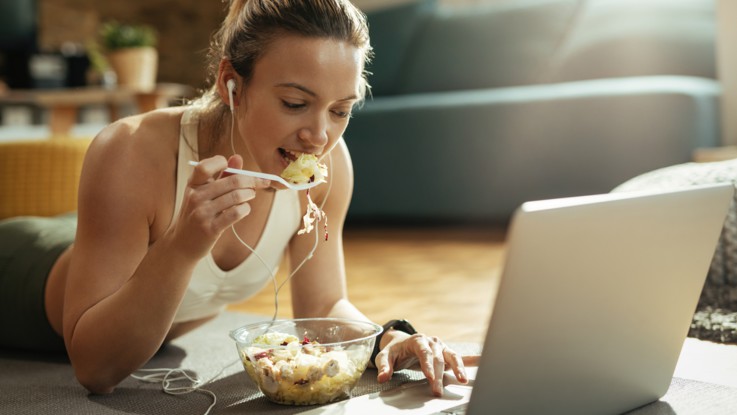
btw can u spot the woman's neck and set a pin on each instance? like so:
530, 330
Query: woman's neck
214, 137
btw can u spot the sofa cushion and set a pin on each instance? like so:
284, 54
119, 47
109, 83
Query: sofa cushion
494, 45
391, 31
616, 38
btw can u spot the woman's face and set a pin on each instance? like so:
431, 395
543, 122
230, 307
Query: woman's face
299, 100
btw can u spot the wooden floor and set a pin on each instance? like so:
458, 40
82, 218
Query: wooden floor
441, 279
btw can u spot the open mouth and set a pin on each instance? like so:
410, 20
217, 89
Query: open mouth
287, 155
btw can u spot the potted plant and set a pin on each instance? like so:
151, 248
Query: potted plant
132, 54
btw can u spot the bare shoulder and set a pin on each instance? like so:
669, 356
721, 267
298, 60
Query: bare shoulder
134, 157
140, 140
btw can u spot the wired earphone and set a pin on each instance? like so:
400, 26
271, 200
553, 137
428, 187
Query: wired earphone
231, 90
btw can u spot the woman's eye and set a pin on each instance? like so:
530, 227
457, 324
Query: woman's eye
342, 114
292, 105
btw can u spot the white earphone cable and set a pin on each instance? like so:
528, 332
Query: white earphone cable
168, 377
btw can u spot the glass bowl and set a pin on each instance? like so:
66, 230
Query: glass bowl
307, 361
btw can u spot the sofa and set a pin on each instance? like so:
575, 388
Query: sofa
477, 109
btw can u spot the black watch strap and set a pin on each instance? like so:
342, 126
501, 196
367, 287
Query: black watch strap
400, 325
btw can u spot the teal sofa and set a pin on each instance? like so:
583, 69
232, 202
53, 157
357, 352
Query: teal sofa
476, 109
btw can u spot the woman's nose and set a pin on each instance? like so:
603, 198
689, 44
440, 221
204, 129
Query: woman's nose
315, 134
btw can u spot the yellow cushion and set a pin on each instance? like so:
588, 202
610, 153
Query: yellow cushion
40, 178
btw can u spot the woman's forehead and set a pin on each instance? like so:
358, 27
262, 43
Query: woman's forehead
328, 66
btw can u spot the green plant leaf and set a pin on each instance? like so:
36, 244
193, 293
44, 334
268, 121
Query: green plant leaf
117, 35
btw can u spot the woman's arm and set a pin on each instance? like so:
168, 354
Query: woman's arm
128, 273
319, 288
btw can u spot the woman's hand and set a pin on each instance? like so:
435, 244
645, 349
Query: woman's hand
213, 201
433, 356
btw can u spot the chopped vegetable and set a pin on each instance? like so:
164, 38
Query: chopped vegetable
307, 169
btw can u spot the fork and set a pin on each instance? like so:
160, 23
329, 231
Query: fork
267, 176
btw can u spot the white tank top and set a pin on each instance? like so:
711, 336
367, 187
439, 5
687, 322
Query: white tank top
211, 288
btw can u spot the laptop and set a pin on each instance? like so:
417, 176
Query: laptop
592, 309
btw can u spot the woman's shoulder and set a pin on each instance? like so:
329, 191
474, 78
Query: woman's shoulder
145, 141
130, 169
135, 156
147, 129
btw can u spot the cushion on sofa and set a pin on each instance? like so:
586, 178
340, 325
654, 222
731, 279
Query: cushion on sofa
617, 38
486, 46
392, 30
478, 107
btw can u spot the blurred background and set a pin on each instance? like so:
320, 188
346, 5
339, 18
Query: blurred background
66, 27
480, 105
476, 106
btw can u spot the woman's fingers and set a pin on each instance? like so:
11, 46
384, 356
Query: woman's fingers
456, 363
230, 216
432, 355
233, 197
383, 365
438, 361
220, 190
213, 201
235, 161
471, 360
216, 199
207, 170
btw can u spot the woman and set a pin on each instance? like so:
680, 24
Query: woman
157, 250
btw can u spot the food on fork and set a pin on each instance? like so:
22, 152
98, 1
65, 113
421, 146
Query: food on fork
306, 168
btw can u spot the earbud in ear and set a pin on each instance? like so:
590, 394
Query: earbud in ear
231, 89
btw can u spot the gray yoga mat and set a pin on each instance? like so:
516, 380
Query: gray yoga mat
41, 384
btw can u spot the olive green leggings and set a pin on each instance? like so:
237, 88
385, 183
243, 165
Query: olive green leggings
29, 247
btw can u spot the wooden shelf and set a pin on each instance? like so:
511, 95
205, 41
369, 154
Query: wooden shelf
64, 104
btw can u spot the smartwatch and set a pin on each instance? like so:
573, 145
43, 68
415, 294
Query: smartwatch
400, 325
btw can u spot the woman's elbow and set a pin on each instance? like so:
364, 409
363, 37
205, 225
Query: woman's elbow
95, 382
98, 378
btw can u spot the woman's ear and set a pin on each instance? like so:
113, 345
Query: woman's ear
227, 84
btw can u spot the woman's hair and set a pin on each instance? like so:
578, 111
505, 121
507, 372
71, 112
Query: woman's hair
251, 25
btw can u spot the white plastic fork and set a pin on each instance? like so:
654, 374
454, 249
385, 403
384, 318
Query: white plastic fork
267, 176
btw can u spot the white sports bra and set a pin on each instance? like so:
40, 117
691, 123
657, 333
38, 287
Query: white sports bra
211, 288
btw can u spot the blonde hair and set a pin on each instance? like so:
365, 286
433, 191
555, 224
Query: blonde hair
251, 25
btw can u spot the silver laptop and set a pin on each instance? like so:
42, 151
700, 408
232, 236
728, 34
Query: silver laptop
593, 307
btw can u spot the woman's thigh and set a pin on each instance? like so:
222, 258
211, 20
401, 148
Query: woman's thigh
29, 247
